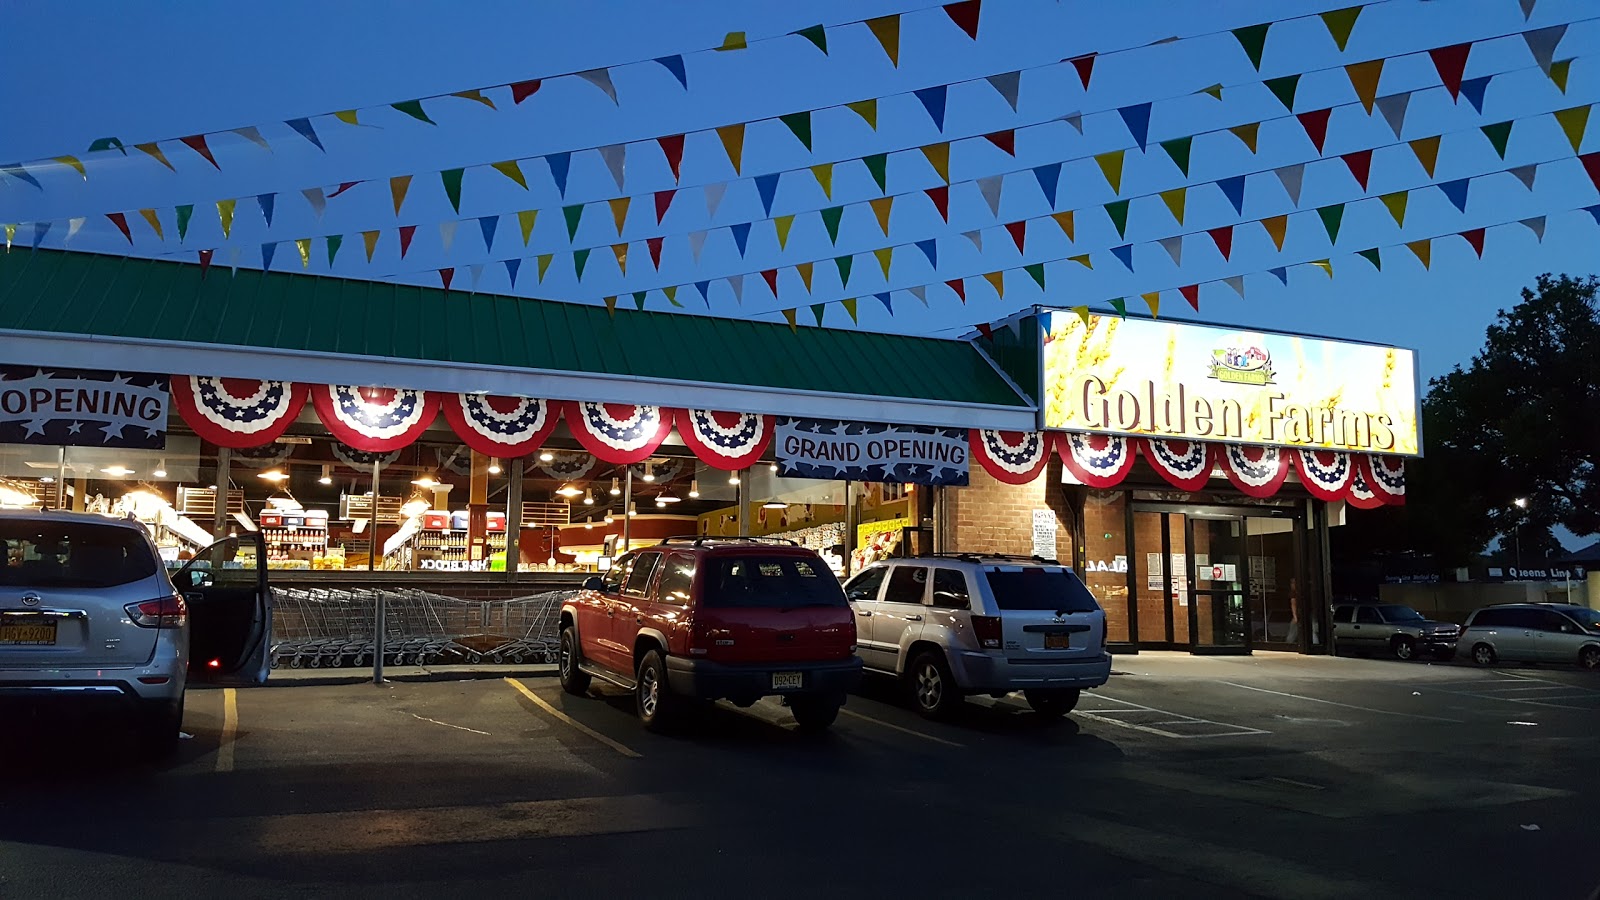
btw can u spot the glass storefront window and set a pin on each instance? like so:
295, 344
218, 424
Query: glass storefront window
1105, 561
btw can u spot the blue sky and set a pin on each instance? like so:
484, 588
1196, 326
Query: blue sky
159, 71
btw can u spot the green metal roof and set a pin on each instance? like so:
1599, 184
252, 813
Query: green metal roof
62, 293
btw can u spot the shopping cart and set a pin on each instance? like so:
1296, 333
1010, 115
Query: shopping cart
335, 627
530, 625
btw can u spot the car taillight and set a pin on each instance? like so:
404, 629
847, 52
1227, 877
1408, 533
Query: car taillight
162, 612
988, 629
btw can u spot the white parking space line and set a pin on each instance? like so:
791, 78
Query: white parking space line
230, 729
892, 727
1381, 712
1167, 717
579, 726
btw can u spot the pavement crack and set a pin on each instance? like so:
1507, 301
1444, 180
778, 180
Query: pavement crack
448, 725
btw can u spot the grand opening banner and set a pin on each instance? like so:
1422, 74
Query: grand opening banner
1174, 380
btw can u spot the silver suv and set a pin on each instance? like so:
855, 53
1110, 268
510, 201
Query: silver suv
960, 624
90, 619
1533, 632
1392, 628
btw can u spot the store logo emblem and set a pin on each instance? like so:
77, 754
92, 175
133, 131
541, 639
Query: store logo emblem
1242, 365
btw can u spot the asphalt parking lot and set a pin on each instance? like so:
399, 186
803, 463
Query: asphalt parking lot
1273, 776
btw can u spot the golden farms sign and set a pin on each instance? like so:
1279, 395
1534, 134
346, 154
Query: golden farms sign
1163, 379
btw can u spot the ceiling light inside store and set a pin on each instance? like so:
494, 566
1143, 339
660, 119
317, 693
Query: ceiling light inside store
649, 472
588, 498
668, 497
327, 475
608, 519
47, 480
773, 467
660, 501
547, 456
494, 466
774, 504
615, 491
633, 509
123, 471
588, 524
733, 477
418, 503
425, 480
568, 491
161, 470
694, 488
273, 475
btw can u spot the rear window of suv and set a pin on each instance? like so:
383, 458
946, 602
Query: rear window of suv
1037, 587
73, 555
769, 581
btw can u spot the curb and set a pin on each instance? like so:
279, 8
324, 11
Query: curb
404, 673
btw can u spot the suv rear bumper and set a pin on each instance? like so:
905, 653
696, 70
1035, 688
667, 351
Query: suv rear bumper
981, 673
710, 680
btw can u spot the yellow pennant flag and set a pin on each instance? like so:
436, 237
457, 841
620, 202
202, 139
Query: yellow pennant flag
672, 295
1083, 259
1573, 122
154, 150
1427, 151
1175, 200
347, 116
789, 314
11, 235
619, 212
398, 185
1396, 204
887, 30
1064, 219
225, 213
805, 269
939, 157
525, 220
1364, 78
370, 239
849, 307
512, 170
734, 40
782, 224
544, 263
1325, 265
154, 220
611, 307
1083, 313
885, 256
1152, 300
1423, 250
75, 163
998, 281
1276, 227
476, 96
620, 251
1247, 133
733, 142
868, 111
1559, 70
880, 208
824, 175
304, 246
1111, 167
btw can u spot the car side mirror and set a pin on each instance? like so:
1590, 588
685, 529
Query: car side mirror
594, 583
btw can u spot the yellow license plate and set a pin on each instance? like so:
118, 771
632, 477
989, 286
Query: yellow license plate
42, 635
787, 681
1058, 642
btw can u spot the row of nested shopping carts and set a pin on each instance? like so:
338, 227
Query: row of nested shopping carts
336, 627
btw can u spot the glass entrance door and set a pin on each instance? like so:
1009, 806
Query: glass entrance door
1220, 572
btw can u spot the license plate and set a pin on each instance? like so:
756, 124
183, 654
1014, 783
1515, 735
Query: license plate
30, 635
1058, 642
782, 681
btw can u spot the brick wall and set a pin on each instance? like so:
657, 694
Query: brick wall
991, 516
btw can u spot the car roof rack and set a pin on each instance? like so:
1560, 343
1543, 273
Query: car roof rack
975, 556
700, 540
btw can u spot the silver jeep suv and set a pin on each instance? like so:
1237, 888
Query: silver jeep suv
958, 624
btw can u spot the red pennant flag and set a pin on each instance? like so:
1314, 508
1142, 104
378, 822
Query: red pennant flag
1451, 62
1591, 164
965, 15
205, 261
960, 287
343, 186
1005, 140
1018, 232
672, 146
197, 143
1360, 164
771, 278
663, 200
121, 221
447, 276
941, 200
1316, 125
1475, 238
1085, 66
1224, 238
1191, 294
986, 330
522, 90
655, 250
407, 232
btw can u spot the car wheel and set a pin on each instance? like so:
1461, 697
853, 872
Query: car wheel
814, 714
1052, 704
933, 688
573, 679
658, 708
1483, 655
157, 729
1403, 647
1589, 658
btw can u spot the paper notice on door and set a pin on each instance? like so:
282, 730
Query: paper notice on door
1155, 579
1230, 572
1044, 533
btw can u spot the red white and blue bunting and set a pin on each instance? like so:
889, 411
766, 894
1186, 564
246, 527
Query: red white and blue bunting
1358, 492
362, 460
1386, 475
1256, 471
507, 427
564, 466
725, 440
1184, 464
1012, 457
237, 412
618, 432
374, 419
1097, 460
1325, 473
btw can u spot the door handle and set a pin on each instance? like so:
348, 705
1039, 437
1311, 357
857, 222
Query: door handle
862, 613
913, 618
611, 614
638, 620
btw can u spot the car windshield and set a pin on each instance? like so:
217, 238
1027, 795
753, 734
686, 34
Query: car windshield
768, 581
72, 555
1039, 588
1400, 614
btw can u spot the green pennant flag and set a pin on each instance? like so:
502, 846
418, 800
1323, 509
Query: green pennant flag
850, 307
334, 240
878, 165
844, 263
1118, 211
413, 108
573, 214
1253, 38
580, 259
1120, 304
1178, 149
1371, 256
816, 35
452, 187
830, 220
1559, 70
638, 300
817, 309
1340, 23
1284, 89
544, 263
1036, 272
800, 124
1214, 90
185, 212
1498, 134
672, 295
1331, 217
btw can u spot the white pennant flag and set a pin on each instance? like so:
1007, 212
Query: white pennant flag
233, 258
737, 283
697, 242
1542, 44
477, 274
616, 158
1174, 247
1075, 120
1237, 283
989, 187
318, 201
1526, 174
1292, 177
601, 78
1008, 85
921, 293
73, 225
1393, 108
714, 194
1537, 225
976, 237
447, 234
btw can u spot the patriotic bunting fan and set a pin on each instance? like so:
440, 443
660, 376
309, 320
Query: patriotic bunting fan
1325, 473
362, 460
237, 412
374, 419
724, 440
1358, 492
500, 426
1386, 475
1184, 464
1256, 471
565, 467
1013, 457
1097, 460
617, 432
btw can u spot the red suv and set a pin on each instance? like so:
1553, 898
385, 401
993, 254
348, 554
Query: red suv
713, 618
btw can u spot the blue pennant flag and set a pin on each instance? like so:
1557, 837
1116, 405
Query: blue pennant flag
488, 224
933, 101
674, 65
704, 287
560, 165
512, 265
267, 202
1233, 189
303, 126
887, 302
1137, 118
1457, 192
1283, 274
1049, 176
741, 235
1473, 89
767, 187
930, 249
267, 251
1124, 253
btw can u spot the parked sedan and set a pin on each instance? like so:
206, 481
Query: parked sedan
1392, 628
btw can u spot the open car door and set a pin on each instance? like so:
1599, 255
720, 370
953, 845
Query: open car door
230, 612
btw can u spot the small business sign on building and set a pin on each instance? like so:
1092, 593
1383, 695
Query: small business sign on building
858, 451
81, 408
